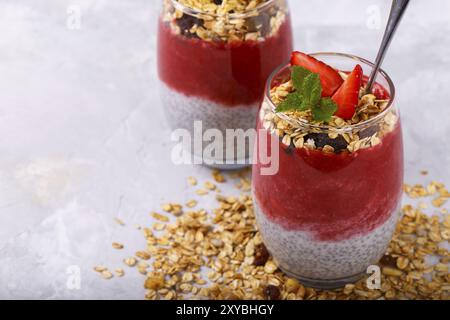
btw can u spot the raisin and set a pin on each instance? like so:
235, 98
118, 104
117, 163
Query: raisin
388, 261
261, 255
218, 2
322, 139
186, 22
272, 293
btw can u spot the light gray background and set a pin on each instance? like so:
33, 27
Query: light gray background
83, 138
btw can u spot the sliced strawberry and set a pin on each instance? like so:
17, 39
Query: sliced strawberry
329, 77
347, 96
378, 90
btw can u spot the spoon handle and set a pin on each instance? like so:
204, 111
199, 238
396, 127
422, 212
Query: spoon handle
397, 10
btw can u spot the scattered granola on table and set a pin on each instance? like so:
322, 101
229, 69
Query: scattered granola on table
220, 255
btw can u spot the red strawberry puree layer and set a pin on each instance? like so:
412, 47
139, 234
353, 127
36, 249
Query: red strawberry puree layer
334, 196
227, 73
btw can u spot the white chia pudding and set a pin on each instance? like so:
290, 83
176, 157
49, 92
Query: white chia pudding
321, 262
183, 111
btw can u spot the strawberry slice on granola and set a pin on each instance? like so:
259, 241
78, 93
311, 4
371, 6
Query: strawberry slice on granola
347, 96
329, 77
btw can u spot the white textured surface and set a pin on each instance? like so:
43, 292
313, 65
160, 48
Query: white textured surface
83, 137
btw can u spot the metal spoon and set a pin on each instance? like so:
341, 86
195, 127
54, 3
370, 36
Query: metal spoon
397, 10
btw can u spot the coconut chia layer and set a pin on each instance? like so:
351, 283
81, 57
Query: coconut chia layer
305, 257
183, 111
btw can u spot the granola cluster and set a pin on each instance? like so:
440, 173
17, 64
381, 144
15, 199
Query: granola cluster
298, 129
226, 20
196, 254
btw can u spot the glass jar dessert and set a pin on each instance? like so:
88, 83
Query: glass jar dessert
331, 208
214, 57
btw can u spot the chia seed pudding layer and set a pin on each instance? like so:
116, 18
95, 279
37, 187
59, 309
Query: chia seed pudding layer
305, 257
182, 111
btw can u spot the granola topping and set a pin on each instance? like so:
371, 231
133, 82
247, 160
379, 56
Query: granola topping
299, 129
225, 20
219, 254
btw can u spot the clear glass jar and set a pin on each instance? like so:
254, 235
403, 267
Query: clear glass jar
327, 213
213, 66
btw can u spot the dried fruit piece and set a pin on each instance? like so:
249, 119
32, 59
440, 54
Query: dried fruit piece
272, 293
388, 261
261, 255
323, 139
186, 22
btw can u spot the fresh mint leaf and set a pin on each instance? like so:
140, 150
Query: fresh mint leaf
298, 76
308, 95
312, 90
293, 101
305, 105
324, 110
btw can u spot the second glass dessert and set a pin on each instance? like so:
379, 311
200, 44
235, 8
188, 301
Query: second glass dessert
331, 208
214, 57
